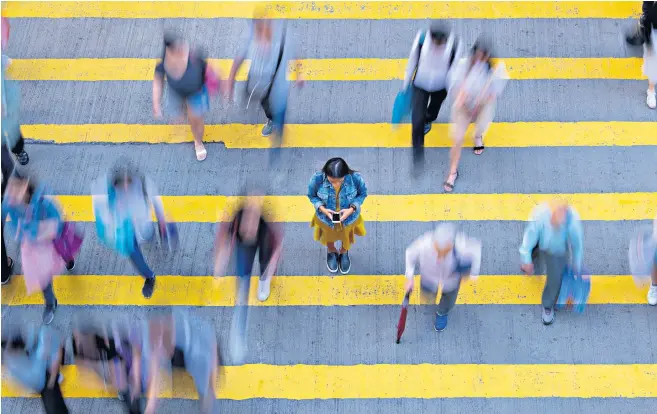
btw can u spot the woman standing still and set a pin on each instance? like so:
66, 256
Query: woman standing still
337, 193
477, 84
189, 77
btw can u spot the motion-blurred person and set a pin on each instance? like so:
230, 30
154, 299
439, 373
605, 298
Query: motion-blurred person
477, 84
337, 193
191, 80
33, 360
637, 37
554, 228
175, 341
37, 222
652, 292
268, 45
11, 103
105, 350
650, 51
248, 233
123, 216
428, 70
445, 257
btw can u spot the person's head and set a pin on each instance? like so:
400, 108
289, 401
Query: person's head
174, 45
261, 23
19, 190
481, 51
443, 239
439, 33
559, 210
336, 169
123, 173
251, 214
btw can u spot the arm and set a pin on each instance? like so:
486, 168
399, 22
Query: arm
413, 252
529, 240
362, 192
158, 86
241, 54
413, 59
153, 387
223, 246
313, 187
576, 240
277, 240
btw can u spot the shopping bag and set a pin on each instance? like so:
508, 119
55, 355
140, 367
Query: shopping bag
40, 261
642, 255
401, 110
69, 242
575, 290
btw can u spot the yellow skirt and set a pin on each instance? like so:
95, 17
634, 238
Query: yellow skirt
346, 235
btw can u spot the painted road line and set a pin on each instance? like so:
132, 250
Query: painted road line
325, 9
420, 207
373, 290
93, 70
500, 135
306, 382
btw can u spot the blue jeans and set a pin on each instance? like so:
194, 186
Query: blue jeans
139, 262
244, 257
49, 295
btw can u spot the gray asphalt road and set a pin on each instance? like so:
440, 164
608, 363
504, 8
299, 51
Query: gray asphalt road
492, 334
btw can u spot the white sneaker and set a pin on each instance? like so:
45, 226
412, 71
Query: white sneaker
652, 295
264, 289
651, 99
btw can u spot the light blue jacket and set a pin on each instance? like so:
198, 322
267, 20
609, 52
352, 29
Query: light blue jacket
550, 239
25, 220
352, 193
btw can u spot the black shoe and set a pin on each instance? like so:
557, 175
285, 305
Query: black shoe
268, 128
332, 262
344, 262
23, 158
49, 313
70, 265
149, 287
427, 128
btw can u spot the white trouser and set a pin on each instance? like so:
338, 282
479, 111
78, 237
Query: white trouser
461, 119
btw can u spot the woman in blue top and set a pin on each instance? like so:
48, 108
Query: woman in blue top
337, 193
34, 218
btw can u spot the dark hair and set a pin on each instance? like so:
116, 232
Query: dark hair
121, 170
337, 168
439, 32
482, 46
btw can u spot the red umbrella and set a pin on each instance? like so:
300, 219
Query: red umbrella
401, 325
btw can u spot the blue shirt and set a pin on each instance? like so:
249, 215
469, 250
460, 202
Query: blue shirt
39, 209
553, 240
352, 193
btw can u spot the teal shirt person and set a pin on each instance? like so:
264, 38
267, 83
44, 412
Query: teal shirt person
11, 102
551, 239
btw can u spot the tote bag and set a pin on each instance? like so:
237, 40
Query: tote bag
41, 262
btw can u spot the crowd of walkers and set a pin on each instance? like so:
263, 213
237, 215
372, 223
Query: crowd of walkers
130, 357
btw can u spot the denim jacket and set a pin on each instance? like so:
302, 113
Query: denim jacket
39, 209
352, 193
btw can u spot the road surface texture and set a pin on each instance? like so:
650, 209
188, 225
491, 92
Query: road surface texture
572, 121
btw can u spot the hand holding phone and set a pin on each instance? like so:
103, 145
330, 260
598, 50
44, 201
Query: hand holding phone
335, 217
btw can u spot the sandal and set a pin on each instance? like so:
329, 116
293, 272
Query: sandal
449, 187
201, 152
480, 147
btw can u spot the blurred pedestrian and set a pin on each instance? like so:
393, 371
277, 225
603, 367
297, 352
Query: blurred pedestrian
123, 216
637, 37
33, 360
477, 83
248, 233
649, 19
337, 193
11, 103
553, 230
38, 223
428, 71
191, 80
445, 257
105, 350
268, 45
652, 291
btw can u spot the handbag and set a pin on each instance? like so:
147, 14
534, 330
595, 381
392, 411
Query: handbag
41, 261
69, 242
211, 81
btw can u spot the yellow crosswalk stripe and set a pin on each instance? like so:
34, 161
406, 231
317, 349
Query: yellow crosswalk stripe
322, 69
500, 134
419, 207
122, 290
324, 9
305, 382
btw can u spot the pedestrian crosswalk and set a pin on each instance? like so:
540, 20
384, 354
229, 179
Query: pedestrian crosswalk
572, 125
